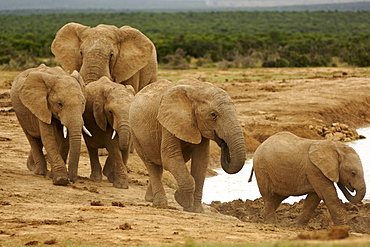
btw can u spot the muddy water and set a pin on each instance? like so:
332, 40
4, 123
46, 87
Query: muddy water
225, 187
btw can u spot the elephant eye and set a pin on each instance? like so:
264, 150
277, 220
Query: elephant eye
60, 104
353, 173
111, 55
213, 115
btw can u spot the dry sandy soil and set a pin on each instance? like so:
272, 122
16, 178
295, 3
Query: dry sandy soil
303, 101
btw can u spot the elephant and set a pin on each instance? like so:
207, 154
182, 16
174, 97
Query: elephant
49, 104
106, 113
173, 122
124, 55
287, 165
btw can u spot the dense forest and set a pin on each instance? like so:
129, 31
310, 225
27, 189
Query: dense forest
227, 38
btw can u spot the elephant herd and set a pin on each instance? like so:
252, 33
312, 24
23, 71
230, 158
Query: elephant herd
107, 91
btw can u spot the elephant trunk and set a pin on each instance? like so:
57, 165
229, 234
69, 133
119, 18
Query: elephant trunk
124, 135
360, 193
94, 67
74, 136
233, 151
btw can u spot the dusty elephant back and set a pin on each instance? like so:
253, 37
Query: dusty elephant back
278, 159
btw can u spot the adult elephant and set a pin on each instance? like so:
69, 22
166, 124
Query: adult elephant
106, 114
124, 55
49, 103
173, 122
288, 165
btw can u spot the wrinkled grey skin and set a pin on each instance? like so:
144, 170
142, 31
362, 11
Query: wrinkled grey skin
107, 110
173, 122
287, 165
124, 55
45, 99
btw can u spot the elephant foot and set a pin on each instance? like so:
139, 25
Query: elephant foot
339, 222
110, 177
270, 218
160, 201
302, 222
96, 177
30, 163
149, 197
38, 170
195, 209
120, 180
185, 199
121, 184
73, 178
60, 180
300, 225
59, 175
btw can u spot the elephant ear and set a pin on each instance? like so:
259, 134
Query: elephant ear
175, 113
99, 101
33, 94
66, 46
324, 155
135, 52
130, 89
80, 80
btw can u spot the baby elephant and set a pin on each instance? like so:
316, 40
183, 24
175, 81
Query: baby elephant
288, 165
107, 108
49, 104
173, 122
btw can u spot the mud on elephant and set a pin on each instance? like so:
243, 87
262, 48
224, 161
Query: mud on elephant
287, 165
173, 122
106, 114
124, 55
49, 104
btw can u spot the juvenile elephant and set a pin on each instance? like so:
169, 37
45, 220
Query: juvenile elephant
288, 165
173, 122
106, 114
124, 55
48, 102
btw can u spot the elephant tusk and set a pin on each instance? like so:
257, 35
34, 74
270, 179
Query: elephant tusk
114, 134
65, 131
86, 131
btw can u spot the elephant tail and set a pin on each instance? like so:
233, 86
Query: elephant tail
250, 177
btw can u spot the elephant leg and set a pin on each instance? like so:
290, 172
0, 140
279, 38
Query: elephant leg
36, 160
120, 178
199, 164
59, 172
30, 162
149, 196
108, 169
336, 210
310, 204
63, 147
173, 161
271, 205
325, 190
155, 192
96, 171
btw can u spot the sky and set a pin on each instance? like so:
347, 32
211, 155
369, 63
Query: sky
155, 4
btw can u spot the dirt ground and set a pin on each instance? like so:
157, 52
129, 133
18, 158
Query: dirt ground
303, 101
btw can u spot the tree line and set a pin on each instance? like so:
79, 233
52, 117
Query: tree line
231, 39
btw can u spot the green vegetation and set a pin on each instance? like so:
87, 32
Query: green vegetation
231, 39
